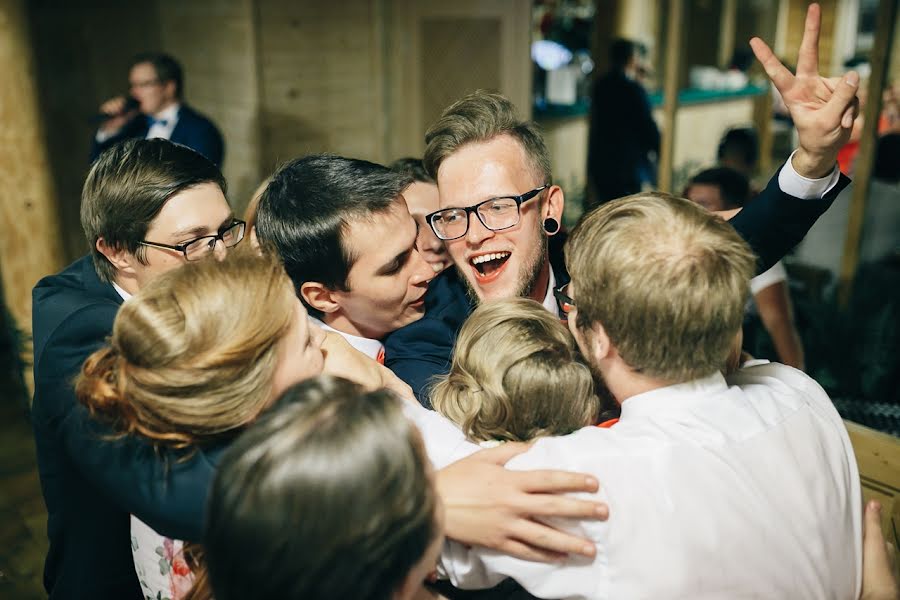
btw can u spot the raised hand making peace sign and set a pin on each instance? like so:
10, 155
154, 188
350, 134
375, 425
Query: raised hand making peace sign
823, 109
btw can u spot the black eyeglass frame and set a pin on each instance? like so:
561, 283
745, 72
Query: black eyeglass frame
563, 300
474, 209
211, 243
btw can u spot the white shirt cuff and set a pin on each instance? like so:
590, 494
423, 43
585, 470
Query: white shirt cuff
794, 184
102, 136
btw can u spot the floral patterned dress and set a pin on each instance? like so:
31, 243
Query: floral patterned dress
159, 561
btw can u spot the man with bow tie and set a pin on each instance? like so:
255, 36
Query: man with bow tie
155, 108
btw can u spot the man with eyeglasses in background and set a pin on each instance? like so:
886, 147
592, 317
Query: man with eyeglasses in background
500, 211
155, 108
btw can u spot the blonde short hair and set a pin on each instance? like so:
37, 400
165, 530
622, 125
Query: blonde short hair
666, 280
480, 117
192, 356
515, 376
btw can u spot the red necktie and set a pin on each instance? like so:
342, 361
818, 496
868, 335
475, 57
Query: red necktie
380, 358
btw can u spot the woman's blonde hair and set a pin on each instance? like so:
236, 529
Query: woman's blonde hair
515, 376
193, 354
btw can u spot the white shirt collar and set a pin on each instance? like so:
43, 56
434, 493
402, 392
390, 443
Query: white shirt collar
168, 114
549, 299
673, 397
367, 346
125, 295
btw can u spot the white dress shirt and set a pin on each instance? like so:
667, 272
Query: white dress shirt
747, 491
164, 124
367, 346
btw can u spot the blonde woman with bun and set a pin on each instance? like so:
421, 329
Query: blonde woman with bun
514, 376
194, 358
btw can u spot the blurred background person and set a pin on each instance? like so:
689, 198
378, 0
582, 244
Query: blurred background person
724, 188
622, 132
422, 199
155, 108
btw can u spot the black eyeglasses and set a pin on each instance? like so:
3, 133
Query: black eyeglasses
563, 300
494, 213
200, 247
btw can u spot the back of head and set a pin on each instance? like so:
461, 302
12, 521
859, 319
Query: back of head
166, 67
329, 495
666, 280
733, 185
128, 185
192, 357
480, 117
414, 168
515, 376
308, 206
621, 52
739, 148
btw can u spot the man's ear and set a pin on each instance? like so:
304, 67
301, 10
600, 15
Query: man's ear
600, 345
120, 258
169, 87
319, 297
553, 205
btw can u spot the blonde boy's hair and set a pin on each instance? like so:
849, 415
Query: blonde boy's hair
515, 376
666, 280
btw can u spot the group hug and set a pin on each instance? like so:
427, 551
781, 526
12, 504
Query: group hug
341, 396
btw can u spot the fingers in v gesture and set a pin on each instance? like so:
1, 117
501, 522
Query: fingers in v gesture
823, 109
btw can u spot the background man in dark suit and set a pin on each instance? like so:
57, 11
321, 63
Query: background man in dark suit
156, 108
479, 151
622, 131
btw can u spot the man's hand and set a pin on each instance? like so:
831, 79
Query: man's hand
487, 505
823, 109
879, 573
342, 360
115, 108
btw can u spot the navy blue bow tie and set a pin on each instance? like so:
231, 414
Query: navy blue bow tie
152, 121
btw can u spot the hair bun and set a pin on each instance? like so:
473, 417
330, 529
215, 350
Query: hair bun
99, 385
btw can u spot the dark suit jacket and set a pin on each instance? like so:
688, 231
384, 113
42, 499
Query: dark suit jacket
90, 482
772, 224
622, 133
192, 130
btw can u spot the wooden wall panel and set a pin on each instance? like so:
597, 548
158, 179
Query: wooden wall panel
321, 70
81, 56
439, 51
796, 18
30, 245
215, 41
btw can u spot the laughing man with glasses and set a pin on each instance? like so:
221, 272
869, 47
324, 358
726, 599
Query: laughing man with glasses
500, 217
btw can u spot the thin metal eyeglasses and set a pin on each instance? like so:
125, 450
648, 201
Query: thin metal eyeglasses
199, 247
494, 213
563, 300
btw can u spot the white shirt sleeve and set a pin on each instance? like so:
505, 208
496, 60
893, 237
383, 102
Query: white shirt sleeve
774, 275
444, 442
794, 184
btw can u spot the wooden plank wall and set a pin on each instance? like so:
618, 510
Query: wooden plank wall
30, 244
82, 51
321, 76
215, 41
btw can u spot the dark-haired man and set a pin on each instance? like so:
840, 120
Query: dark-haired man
156, 109
480, 152
177, 213
348, 242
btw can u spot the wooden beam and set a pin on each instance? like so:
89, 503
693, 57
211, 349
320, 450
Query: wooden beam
727, 26
862, 170
674, 54
30, 245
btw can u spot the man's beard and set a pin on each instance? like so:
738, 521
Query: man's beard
528, 276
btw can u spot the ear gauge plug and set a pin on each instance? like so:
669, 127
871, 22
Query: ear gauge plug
551, 225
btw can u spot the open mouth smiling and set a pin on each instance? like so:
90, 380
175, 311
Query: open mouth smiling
488, 267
